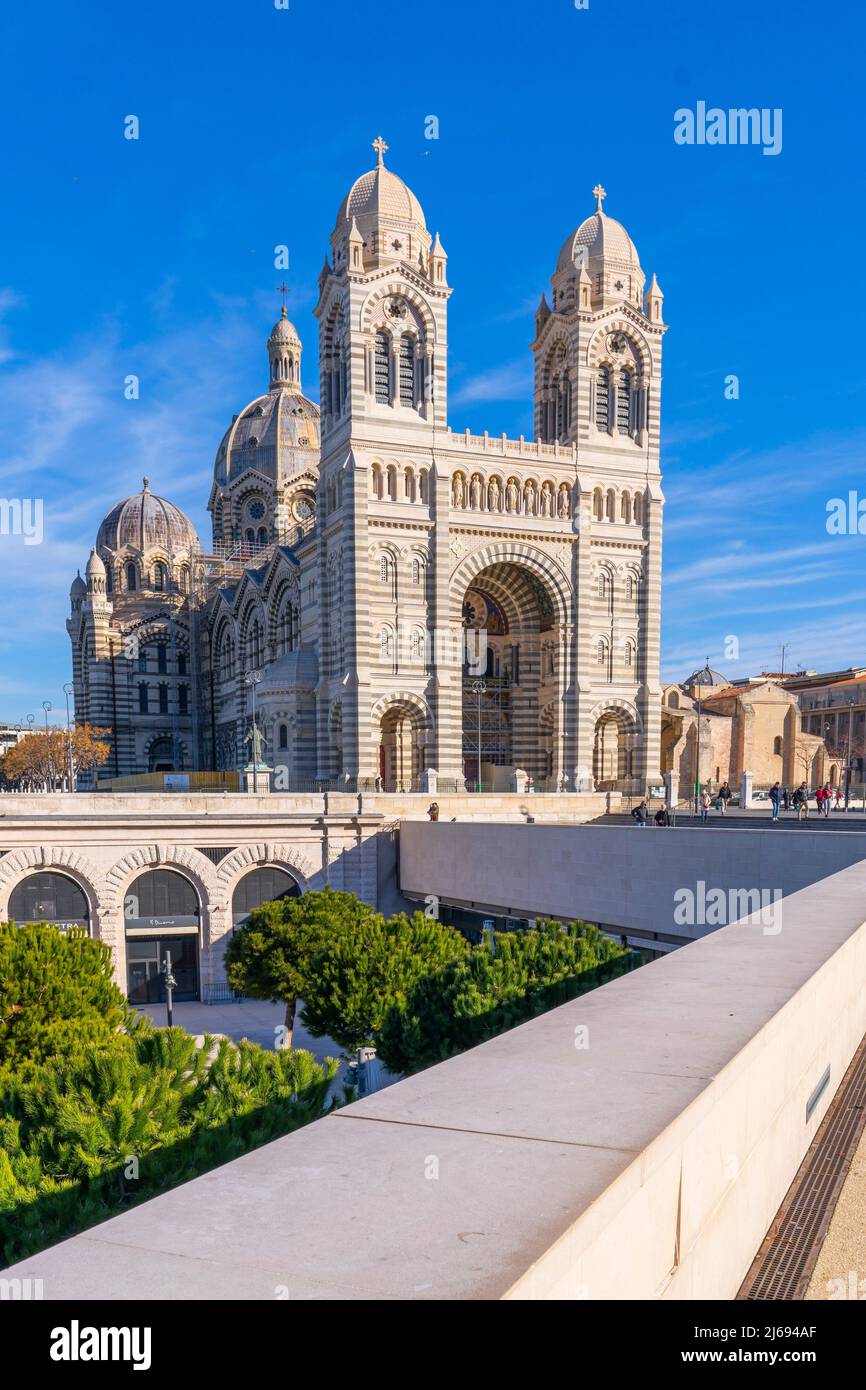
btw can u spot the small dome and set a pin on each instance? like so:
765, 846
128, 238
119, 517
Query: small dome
284, 332
145, 522
386, 214
599, 238
95, 566
78, 588
706, 676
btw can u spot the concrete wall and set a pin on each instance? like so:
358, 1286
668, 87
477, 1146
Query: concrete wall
635, 1143
619, 875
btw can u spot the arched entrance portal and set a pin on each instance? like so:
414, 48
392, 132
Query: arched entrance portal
614, 756
512, 680
49, 897
162, 916
401, 749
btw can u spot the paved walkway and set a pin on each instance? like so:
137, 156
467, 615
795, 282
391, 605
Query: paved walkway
248, 1018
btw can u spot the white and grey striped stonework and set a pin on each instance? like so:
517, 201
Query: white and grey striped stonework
396, 533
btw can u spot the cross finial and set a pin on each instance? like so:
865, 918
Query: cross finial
146, 482
599, 195
380, 147
283, 289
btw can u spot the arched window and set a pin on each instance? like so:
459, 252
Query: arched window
159, 576
385, 570
611, 505
625, 508
162, 658
603, 584
183, 699
598, 504
409, 485
623, 403
163, 699
417, 645
407, 370
377, 482
142, 698
392, 483
629, 654
109, 580
284, 736
131, 578
386, 644
416, 571
601, 652
638, 509
777, 745
250, 536
423, 486
602, 399
383, 368
263, 536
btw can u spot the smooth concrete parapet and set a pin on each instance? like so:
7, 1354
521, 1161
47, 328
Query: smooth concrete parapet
632, 1144
623, 876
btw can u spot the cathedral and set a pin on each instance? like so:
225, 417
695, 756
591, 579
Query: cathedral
386, 604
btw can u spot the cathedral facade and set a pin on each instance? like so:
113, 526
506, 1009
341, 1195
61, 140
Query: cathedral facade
405, 607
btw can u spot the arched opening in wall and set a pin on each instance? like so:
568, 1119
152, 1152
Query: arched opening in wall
162, 917
49, 897
511, 701
265, 884
401, 748
615, 752
161, 757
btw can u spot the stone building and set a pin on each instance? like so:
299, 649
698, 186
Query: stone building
424, 608
719, 730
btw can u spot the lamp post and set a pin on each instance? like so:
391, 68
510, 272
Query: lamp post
68, 690
170, 986
46, 705
480, 689
848, 754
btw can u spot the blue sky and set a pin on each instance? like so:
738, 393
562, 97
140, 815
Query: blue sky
155, 257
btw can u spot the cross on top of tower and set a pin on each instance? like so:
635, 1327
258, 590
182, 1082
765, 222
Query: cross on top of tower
283, 289
599, 195
380, 147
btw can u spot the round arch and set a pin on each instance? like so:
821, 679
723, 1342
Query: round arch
20, 864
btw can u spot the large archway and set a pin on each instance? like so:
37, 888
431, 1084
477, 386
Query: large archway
512, 679
265, 883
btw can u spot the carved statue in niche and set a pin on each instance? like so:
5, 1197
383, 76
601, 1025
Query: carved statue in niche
493, 496
529, 498
546, 500
563, 501
511, 496
475, 493
457, 490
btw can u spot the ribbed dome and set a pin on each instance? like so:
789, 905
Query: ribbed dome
293, 671
381, 193
145, 522
265, 435
284, 331
603, 239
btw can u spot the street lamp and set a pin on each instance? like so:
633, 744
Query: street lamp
46, 705
68, 690
848, 755
480, 689
170, 986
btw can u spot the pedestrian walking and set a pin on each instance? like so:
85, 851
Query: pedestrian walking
837, 805
704, 803
786, 799
724, 797
433, 810
801, 802
639, 813
775, 799
828, 797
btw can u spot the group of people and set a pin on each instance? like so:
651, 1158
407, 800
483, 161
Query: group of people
825, 798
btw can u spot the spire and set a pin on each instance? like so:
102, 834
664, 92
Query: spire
284, 353
145, 484
654, 301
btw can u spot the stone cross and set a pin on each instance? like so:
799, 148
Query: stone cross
599, 195
380, 147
